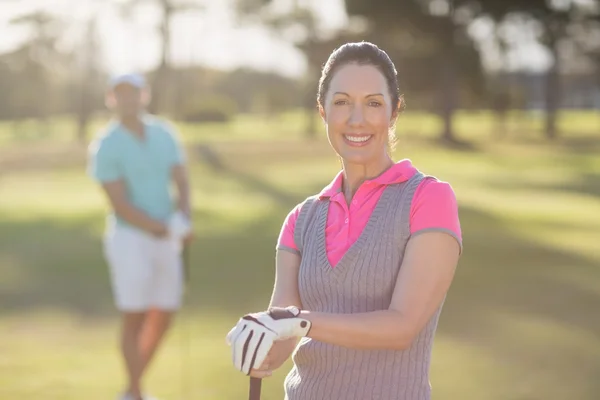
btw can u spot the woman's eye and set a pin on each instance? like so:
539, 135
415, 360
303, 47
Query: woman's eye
375, 104
340, 102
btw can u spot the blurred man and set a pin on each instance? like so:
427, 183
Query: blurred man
135, 160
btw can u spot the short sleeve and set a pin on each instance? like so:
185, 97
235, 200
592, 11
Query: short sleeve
177, 156
103, 164
435, 208
286, 240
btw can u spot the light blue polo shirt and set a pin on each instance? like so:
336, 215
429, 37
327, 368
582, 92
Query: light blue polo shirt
143, 164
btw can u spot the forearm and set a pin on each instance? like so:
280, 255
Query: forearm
285, 294
384, 329
183, 200
183, 190
136, 217
285, 300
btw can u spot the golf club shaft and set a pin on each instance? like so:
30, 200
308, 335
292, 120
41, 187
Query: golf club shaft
255, 386
186, 263
186, 338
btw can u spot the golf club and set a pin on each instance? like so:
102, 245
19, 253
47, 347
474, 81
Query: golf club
255, 386
186, 347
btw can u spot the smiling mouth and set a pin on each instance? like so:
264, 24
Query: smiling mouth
357, 140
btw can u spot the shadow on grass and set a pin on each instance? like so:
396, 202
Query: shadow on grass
232, 272
580, 144
571, 142
62, 266
587, 184
501, 271
522, 304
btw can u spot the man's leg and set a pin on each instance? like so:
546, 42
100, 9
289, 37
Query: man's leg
166, 300
155, 327
131, 276
132, 324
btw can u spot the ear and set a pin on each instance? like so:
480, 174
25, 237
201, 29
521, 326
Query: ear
146, 95
398, 110
322, 112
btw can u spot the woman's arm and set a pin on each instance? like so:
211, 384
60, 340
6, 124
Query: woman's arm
285, 293
423, 281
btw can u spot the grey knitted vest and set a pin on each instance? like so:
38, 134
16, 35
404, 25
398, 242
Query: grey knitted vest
362, 281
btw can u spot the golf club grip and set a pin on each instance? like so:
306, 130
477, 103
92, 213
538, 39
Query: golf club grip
255, 386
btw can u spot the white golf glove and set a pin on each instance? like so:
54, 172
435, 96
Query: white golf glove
179, 226
253, 336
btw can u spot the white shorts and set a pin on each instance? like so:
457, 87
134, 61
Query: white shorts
145, 272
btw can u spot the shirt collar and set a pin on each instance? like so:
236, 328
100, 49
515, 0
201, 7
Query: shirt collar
397, 173
334, 187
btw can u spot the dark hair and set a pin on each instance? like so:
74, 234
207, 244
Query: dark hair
362, 53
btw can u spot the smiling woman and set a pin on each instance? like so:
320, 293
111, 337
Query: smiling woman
363, 267
360, 88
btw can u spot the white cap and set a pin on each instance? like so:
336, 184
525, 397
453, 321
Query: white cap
135, 80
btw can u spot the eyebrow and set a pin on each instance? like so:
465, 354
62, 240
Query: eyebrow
369, 95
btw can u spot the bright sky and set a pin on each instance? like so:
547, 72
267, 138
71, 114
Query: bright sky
210, 37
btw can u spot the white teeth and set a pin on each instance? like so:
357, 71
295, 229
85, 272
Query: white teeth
358, 139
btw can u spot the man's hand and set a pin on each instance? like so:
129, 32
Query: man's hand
160, 230
254, 335
180, 227
116, 193
189, 238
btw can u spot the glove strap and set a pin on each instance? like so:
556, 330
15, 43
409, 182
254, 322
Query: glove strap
283, 313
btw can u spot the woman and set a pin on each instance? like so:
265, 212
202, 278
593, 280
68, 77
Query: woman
363, 267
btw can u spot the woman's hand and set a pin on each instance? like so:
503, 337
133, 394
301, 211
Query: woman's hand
277, 356
254, 335
265, 370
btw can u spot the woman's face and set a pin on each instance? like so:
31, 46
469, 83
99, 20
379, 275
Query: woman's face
357, 111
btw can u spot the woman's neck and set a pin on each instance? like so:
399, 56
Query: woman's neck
356, 174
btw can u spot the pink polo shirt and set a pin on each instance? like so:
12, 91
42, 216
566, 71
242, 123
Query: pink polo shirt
434, 207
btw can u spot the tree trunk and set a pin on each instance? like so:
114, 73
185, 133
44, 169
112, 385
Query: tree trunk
311, 123
448, 84
84, 108
501, 103
553, 93
159, 86
310, 99
82, 117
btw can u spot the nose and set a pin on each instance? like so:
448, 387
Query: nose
356, 115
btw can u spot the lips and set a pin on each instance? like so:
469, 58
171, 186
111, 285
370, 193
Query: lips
357, 140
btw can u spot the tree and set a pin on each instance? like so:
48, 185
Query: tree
34, 60
430, 35
299, 25
89, 75
555, 18
163, 74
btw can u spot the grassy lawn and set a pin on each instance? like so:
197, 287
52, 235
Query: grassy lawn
520, 323
470, 124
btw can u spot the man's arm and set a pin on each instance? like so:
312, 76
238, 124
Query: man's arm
180, 176
179, 172
104, 167
115, 191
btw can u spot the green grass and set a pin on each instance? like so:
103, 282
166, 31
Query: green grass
470, 125
520, 322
